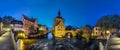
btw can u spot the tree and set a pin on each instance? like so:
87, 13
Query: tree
7, 19
70, 27
109, 21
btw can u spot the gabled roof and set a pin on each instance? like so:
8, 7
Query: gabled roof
30, 19
16, 22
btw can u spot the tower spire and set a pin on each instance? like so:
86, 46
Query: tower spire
59, 12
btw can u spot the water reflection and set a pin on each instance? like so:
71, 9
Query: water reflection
49, 36
58, 44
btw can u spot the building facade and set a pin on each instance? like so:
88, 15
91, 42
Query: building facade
17, 25
43, 27
29, 24
97, 31
59, 27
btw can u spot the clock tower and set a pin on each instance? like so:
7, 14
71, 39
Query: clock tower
58, 27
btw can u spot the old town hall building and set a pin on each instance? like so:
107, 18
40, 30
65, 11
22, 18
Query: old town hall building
59, 27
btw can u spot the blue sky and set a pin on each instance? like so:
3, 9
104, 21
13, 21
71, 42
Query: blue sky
75, 12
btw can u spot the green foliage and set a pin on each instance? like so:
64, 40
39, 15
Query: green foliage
109, 21
7, 19
6, 25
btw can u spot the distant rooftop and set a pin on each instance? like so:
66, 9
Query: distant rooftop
16, 22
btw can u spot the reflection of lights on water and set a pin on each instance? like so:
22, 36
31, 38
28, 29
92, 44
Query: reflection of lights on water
45, 48
115, 46
2, 38
49, 36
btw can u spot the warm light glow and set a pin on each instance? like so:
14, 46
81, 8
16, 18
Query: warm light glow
115, 46
21, 45
22, 35
107, 32
115, 39
26, 42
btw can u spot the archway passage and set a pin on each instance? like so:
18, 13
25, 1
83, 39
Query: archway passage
49, 35
68, 35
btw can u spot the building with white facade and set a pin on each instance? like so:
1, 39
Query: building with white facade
43, 27
16, 25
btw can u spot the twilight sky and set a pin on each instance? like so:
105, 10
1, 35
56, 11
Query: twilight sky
75, 12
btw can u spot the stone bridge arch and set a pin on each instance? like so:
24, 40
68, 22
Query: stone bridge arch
68, 35
71, 33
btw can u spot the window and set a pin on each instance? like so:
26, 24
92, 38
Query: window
96, 28
61, 27
96, 32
